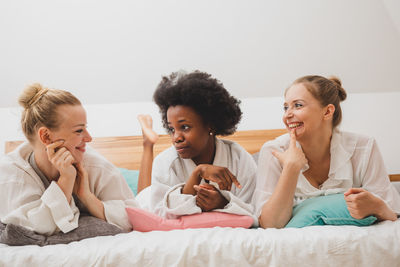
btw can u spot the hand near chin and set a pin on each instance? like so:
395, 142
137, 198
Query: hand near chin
209, 198
62, 159
220, 175
293, 157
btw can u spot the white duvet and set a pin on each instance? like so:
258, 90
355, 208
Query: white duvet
377, 245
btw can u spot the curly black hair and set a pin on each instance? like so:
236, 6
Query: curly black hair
206, 95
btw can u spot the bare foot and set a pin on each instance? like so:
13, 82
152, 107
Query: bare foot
146, 122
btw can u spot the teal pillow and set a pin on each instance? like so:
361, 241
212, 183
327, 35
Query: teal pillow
131, 177
322, 210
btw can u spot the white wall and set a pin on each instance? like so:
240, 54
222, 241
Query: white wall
116, 51
374, 114
111, 54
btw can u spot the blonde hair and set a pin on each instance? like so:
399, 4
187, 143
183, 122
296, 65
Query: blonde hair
40, 108
326, 91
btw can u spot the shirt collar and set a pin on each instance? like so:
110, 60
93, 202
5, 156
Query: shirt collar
341, 153
340, 176
41, 175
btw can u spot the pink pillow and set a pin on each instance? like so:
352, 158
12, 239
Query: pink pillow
145, 221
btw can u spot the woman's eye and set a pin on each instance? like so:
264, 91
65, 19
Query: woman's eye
185, 127
171, 130
298, 105
285, 108
79, 131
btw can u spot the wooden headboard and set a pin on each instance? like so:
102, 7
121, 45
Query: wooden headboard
126, 151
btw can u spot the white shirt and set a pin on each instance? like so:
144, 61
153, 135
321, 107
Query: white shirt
170, 173
26, 202
355, 162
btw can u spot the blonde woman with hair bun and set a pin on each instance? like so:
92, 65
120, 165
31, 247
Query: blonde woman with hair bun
317, 159
50, 179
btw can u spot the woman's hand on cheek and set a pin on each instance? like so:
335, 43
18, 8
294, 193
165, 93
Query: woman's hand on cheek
62, 159
293, 157
209, 198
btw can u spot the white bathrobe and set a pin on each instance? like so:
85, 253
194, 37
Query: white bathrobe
355, 162
170, 173
26, 202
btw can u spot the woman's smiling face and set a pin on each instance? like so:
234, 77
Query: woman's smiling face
302, 111
72, 129
190, 135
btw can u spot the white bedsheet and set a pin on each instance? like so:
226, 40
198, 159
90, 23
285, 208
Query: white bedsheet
377, 245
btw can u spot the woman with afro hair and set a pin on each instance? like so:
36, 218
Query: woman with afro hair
200, 172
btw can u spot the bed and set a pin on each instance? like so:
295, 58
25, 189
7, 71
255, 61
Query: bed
376, 245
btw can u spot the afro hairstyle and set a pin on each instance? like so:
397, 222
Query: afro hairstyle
206, 95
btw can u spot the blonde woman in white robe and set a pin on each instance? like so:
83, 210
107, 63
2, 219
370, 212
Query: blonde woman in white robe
44, 179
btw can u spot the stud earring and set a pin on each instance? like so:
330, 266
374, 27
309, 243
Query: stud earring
211, 133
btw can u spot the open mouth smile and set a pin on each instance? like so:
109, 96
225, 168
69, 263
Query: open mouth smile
295, 125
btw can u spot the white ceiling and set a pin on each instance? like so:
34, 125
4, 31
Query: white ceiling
117, 51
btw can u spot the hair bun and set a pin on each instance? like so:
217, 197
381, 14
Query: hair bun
341, 92
31, 94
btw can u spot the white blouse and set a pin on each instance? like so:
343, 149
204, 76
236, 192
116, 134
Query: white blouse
355, 162
170, 173
26, 202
